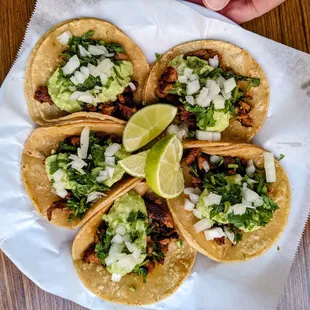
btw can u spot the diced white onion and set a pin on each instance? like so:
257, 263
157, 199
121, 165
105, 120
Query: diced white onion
183, 79
213, 88
248, 204
213, 233
206, 166
136, 253
230, 235
59, 187
238, 209
94, 196
71, 65
216, 136
212, 199
84, 142
85, 71
82, 96
215, 159
202, 225
103, 176
109, 161
203, 135
214, 62
88, 98
103, 78
227, 96
77, 166
251, 181
220, 81
130, 246
188, 205
188, 190
219, 102
203, 99
270, 168
112, 149
97, 50
132, 86
121, 229
188, 72
193, 77
117, 239
229, 85
197, 213
116, 249
74, 80
78, 160
127, 262
105, 66
192, 87
193, 197
259, 202
249, 194
91, 67
65, 37
116, 277
110, 171
58, 175
126, 238
180, 131
250, 169
110, 260
190, 100
83, 51
197, 190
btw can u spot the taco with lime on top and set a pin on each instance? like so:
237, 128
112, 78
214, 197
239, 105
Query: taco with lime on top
131, 252
72, 171
236, 202
221, 92
84, 68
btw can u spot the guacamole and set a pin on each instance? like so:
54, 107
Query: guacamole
60, 88
92, 72
208, 91
231, 199
129, 213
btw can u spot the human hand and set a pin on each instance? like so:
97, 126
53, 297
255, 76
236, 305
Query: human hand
240, 11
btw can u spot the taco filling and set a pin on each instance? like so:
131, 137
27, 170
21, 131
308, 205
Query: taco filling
231, 195
133, 236
206, 93
82, 169
93, 76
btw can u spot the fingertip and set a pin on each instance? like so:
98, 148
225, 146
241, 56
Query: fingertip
215, 5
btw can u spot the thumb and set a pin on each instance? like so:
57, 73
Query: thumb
215, 5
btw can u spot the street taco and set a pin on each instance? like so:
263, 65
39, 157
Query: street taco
72, 171
133, 253
84, 68
236, 203
221, 92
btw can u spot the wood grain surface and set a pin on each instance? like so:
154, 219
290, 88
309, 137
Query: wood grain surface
288, 24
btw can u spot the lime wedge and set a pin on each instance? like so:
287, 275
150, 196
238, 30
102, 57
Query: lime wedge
134, 165
163, 170
147, 124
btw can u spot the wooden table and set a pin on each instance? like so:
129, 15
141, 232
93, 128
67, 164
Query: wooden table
288, 24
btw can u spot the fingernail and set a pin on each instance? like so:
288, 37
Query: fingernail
215, 5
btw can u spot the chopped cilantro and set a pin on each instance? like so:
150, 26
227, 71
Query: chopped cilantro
179, 243
158, 57
282, 156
